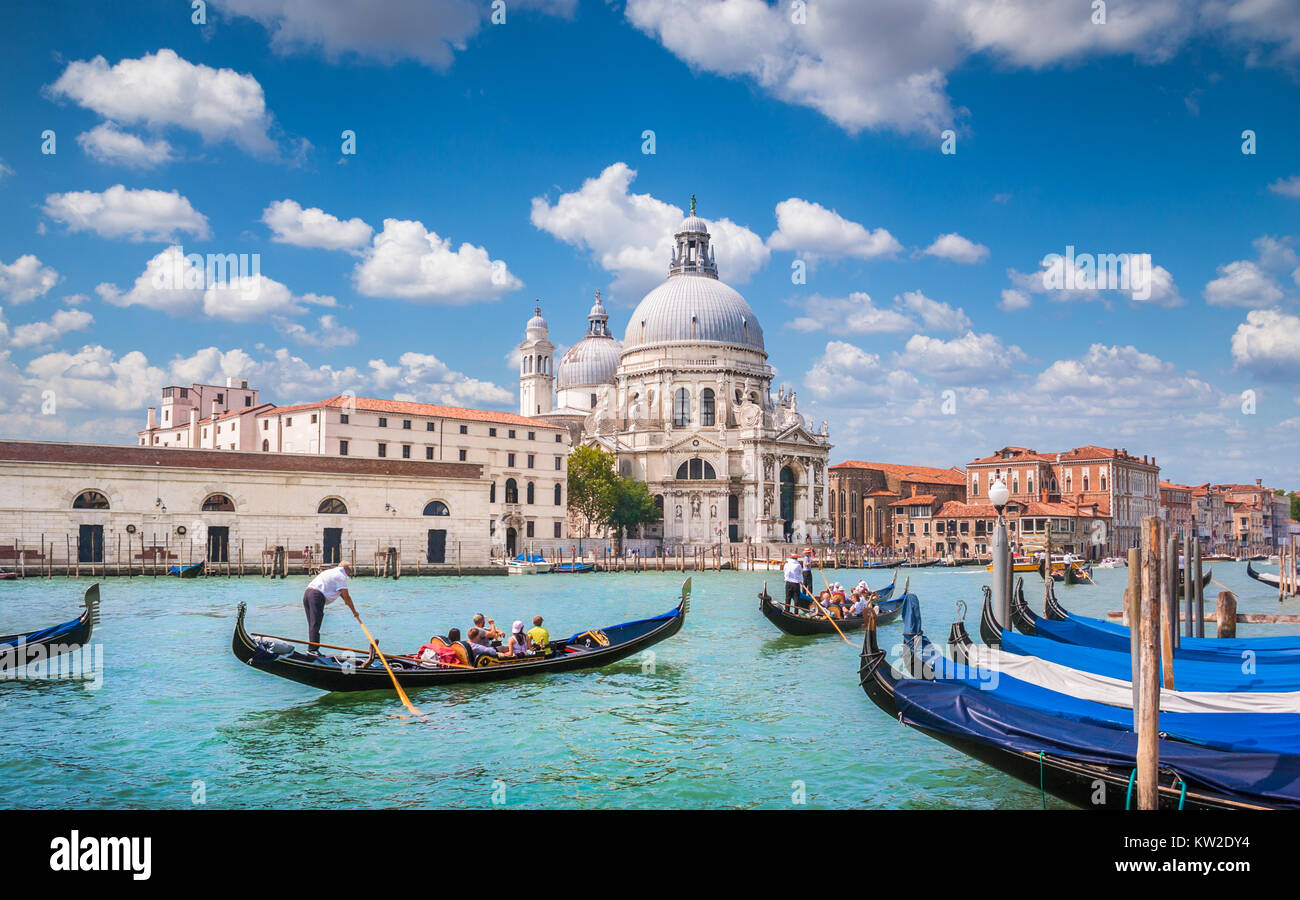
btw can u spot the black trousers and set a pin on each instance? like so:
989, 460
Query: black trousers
792, 593
313, 604
807, 580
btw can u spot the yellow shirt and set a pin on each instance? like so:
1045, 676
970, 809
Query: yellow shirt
539, 635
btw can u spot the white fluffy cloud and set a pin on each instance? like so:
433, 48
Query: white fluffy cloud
396, 29
845, 372
1014, 300
970, 359
170, 283
1242, 283
424, 378
329, 335
62, 322
26, 279
1268, 344
955, 248
889, 68
254, 298
858, 314
1287, 187
812, 229
631, 235
408, 262
162, 89
291, 224
1122, 379
138, 215
107, 144
1085, 277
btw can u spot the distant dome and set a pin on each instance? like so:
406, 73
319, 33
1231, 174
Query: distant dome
693, 309
591, 361
536, 327
694, 224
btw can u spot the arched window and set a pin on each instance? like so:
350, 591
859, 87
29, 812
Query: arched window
707, 407
436, 508
695, 469
266, 445
512, 491
559, 495
681, 407
492, 493
531, 492
90, 500
733, 506
218, 503
332, 506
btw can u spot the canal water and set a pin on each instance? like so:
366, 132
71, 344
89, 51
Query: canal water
732, 714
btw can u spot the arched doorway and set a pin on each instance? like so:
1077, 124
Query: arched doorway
787, 500
512, 539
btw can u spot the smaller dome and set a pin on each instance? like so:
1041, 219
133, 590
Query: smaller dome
590, 362
537, 326
693, 223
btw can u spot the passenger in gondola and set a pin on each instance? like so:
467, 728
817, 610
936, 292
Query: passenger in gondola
489, 628
477, 641
539, 636
860, 603
519, 644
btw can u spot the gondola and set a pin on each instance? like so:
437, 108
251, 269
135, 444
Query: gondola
17, 649
585, 650
1084, 764
878, 564
919, 565
194, 570
803, 626
1266, 577
573, 568
1077, 574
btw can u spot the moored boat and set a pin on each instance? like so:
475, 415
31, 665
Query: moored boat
194, 570
1266, 577
360, 672
18, 649
528, 564
573, 568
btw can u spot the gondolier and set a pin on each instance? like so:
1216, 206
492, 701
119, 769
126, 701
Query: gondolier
324, 589
807, 563
794, 583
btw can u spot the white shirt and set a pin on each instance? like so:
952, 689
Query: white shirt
330, 582
793, 571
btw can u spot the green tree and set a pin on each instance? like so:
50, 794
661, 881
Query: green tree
633, 505
591, 486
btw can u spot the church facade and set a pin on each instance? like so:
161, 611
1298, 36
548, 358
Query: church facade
685, 403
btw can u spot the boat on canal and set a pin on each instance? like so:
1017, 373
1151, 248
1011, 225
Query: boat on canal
887, 610
194, 570
358, 670
54, 640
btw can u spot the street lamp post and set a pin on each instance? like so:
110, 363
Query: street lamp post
1002, 568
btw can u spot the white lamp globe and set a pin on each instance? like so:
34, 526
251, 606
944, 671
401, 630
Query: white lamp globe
999, 494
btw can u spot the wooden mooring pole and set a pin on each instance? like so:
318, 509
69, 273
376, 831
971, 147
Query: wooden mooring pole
1147, 717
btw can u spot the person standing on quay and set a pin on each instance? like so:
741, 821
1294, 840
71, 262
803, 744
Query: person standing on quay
793, 582
324, 589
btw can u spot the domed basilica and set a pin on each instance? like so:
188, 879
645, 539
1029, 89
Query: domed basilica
685, 403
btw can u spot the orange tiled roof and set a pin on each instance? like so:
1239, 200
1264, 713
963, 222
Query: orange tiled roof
406, 407
1018, 455
958, 510
923, 474
918, 500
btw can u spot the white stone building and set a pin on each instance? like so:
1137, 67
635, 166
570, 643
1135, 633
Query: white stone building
685, 403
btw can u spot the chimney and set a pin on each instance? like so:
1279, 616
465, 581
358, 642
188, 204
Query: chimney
913, 490
1259, 482
230, 381
152, 417
214, 409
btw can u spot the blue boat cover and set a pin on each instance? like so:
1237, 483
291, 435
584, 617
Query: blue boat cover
1228, 673
1253, 731
530, 558
1089, 632
911, 615
956, 708
45, 634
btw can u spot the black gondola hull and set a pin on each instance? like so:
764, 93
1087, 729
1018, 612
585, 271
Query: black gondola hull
806, 626
336, 678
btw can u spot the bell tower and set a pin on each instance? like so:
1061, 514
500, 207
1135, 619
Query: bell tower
536, 367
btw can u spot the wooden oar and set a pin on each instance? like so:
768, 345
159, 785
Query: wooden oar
406, 701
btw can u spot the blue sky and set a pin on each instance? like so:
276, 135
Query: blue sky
517, 148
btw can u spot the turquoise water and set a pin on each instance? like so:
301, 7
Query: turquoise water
734, 714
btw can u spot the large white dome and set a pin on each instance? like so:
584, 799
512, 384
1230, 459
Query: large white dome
693, 309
